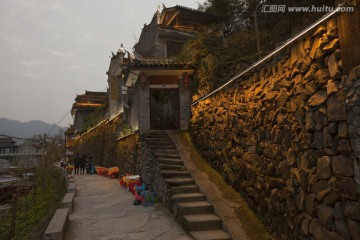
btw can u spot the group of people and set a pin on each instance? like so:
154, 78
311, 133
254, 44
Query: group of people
82, 164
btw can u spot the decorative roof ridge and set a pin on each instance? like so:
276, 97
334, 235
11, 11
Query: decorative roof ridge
158, 62
191, 9
168, 60
94, 92
90, 94
152, 58
171, 28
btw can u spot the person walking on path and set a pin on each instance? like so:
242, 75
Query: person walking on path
89, 165
83, 164
77, 163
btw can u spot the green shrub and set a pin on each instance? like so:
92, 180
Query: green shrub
34, 211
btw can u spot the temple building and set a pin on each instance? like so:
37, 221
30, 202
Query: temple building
169, 30
85, 104
8, 145
151, 89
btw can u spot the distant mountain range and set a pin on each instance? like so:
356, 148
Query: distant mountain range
28, 129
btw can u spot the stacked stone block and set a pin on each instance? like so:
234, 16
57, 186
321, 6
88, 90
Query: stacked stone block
288, 139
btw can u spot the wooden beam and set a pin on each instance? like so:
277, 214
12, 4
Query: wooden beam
173, 17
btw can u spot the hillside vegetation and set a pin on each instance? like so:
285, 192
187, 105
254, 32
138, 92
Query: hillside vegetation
248, 31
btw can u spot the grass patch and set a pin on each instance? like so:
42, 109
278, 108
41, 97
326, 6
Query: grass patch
34, 211
252, 226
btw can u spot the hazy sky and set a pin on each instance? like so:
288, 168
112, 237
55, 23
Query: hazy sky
51, 50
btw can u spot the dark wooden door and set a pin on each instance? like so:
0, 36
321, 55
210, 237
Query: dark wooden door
164, 109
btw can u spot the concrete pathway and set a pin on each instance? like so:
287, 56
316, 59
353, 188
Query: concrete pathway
104, 211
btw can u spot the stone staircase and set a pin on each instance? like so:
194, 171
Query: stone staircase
157, 124
190, 208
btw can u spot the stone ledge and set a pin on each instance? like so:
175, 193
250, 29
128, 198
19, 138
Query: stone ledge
57, 225
72, 188
68, 201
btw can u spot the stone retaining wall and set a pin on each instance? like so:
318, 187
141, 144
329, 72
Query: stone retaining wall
288, 139
109, 151
131, 154
127, 154
149, 170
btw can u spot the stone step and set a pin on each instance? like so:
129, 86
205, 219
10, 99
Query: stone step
167, 147
210, 235
162, 127
178, 181
157, 132
189, 188
164, 155
159, 137
186, 208
158, 141
170, 161
171, 167
201, 222
161, 142
166, 151
188, 197
174, 173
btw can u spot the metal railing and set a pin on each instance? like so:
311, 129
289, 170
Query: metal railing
21, 154
288, 42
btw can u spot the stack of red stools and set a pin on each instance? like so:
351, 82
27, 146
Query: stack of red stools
129, 181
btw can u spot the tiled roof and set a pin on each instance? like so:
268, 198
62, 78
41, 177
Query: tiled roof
151, 62
6, 140
89, 100
7, 145
91, 93
190, 15
193, 10
171, 28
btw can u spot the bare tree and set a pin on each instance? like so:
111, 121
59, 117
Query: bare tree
51, 150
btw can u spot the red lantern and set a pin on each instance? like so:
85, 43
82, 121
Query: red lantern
186, 80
